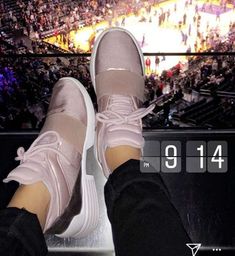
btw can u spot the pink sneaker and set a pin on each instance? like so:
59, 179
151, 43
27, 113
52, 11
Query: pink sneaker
58, 159
117, 73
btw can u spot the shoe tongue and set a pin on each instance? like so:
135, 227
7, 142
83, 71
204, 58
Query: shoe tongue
130, 104
125, 134
48, 139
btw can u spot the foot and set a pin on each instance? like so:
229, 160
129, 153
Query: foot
117, 73
58, 159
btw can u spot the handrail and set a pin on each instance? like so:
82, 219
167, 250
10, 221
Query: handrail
37, 55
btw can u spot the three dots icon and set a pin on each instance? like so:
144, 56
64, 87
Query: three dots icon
216, 250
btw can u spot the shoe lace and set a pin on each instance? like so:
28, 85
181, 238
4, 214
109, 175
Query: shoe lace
120, 111
34, 149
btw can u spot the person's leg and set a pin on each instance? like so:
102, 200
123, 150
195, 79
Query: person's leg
34, 198
144, 222
118, 155
53, 178
23, 220
21, 233
133, 197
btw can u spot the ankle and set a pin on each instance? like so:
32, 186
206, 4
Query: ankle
119, 155
35, 198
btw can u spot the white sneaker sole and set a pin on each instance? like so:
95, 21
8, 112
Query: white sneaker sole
87, 220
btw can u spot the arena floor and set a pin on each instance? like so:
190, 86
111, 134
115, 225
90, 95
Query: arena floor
154, 38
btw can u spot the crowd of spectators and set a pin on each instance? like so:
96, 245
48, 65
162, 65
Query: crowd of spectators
8, 18
40, 16
212, 77
62, 15
26, 85
216, 73
37, 19
212, 72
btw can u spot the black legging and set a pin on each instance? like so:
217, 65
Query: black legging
144, 222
